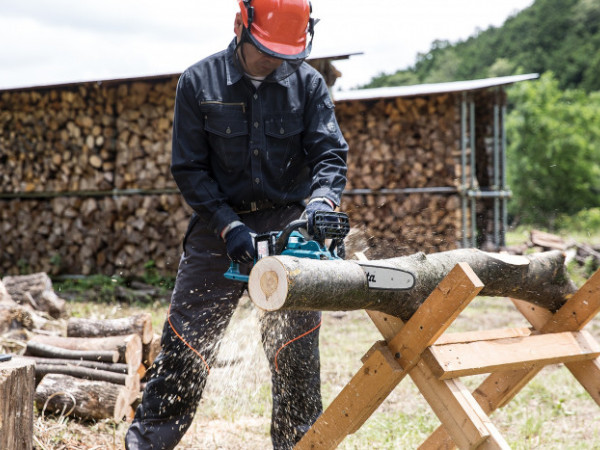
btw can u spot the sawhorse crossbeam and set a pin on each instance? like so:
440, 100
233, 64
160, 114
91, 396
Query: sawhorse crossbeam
419, 349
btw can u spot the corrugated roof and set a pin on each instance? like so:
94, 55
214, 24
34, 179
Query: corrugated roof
426, 89
157, 77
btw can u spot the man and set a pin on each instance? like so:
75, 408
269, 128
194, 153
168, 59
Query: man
254, 135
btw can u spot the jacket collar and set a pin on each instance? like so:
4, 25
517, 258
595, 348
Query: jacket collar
233, 70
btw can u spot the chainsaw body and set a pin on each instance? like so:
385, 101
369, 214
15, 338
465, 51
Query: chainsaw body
327, 226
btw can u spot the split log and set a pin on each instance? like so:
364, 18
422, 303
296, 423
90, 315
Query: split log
35, 290
51, 351
16, 403
5, 296
129, 347
88, 400
151, 350
140, 324
284, 282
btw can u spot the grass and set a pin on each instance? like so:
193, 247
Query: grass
551, 412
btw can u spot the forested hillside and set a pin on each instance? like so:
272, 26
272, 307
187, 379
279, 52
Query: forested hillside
553, 127
561, 36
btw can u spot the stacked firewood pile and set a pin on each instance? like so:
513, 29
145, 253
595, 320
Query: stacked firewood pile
143, 126
76, 144
89, 149
107, 235
90, 368
57, 140
404, 143
87, 137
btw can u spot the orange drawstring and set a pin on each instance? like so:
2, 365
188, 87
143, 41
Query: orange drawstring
289, 342
184, 341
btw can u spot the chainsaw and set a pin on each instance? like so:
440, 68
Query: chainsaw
327, 226
333, 226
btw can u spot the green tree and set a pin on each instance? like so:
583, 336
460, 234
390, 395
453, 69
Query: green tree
553, 151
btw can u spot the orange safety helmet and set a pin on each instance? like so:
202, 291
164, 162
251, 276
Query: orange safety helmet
279, 28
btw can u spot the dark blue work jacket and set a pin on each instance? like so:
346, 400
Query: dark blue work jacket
234, 144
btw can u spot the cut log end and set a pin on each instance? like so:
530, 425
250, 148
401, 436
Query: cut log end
269, 284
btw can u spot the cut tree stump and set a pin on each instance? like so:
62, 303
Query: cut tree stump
285, 282
88, 400
140, 324
17, 387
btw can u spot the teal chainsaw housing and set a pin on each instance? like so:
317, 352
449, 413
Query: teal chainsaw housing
327, 225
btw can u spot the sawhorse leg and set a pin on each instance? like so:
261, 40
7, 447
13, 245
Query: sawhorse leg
386, 365
499, 388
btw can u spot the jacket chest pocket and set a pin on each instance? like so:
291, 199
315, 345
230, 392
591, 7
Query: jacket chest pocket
284, 140
227, 129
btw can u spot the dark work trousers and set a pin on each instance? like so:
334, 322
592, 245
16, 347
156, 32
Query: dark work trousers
202, 304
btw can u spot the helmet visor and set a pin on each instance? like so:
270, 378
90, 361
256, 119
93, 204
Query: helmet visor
287, 67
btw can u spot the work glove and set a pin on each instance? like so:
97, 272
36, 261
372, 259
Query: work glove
312, 207
240, 244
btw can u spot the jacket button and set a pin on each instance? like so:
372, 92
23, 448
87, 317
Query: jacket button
228, 130
281, 131
257, 180
256, 152
255, 124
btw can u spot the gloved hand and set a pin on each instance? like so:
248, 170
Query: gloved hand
311, 209
240, 244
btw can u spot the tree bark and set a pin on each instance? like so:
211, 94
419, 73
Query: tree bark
80, 372
121, 368
90, 400
140, 324
128, 347
284, 282
16, 404
51, 351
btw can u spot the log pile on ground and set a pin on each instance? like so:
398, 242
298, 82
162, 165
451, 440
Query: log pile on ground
587, 255
91, 367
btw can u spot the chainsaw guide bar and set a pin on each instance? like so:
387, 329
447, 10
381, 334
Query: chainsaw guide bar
387, 277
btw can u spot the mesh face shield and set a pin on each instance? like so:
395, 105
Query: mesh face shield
287, 68
282, 30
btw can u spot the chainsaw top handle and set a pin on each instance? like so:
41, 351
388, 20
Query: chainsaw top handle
282, 240
326, 225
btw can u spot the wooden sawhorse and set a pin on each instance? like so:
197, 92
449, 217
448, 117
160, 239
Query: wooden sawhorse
435, 363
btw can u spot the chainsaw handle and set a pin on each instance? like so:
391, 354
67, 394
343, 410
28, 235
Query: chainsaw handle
282, 240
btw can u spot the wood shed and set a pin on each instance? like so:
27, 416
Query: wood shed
427, 164
86, 186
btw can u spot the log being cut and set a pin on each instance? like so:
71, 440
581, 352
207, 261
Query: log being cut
291, 283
